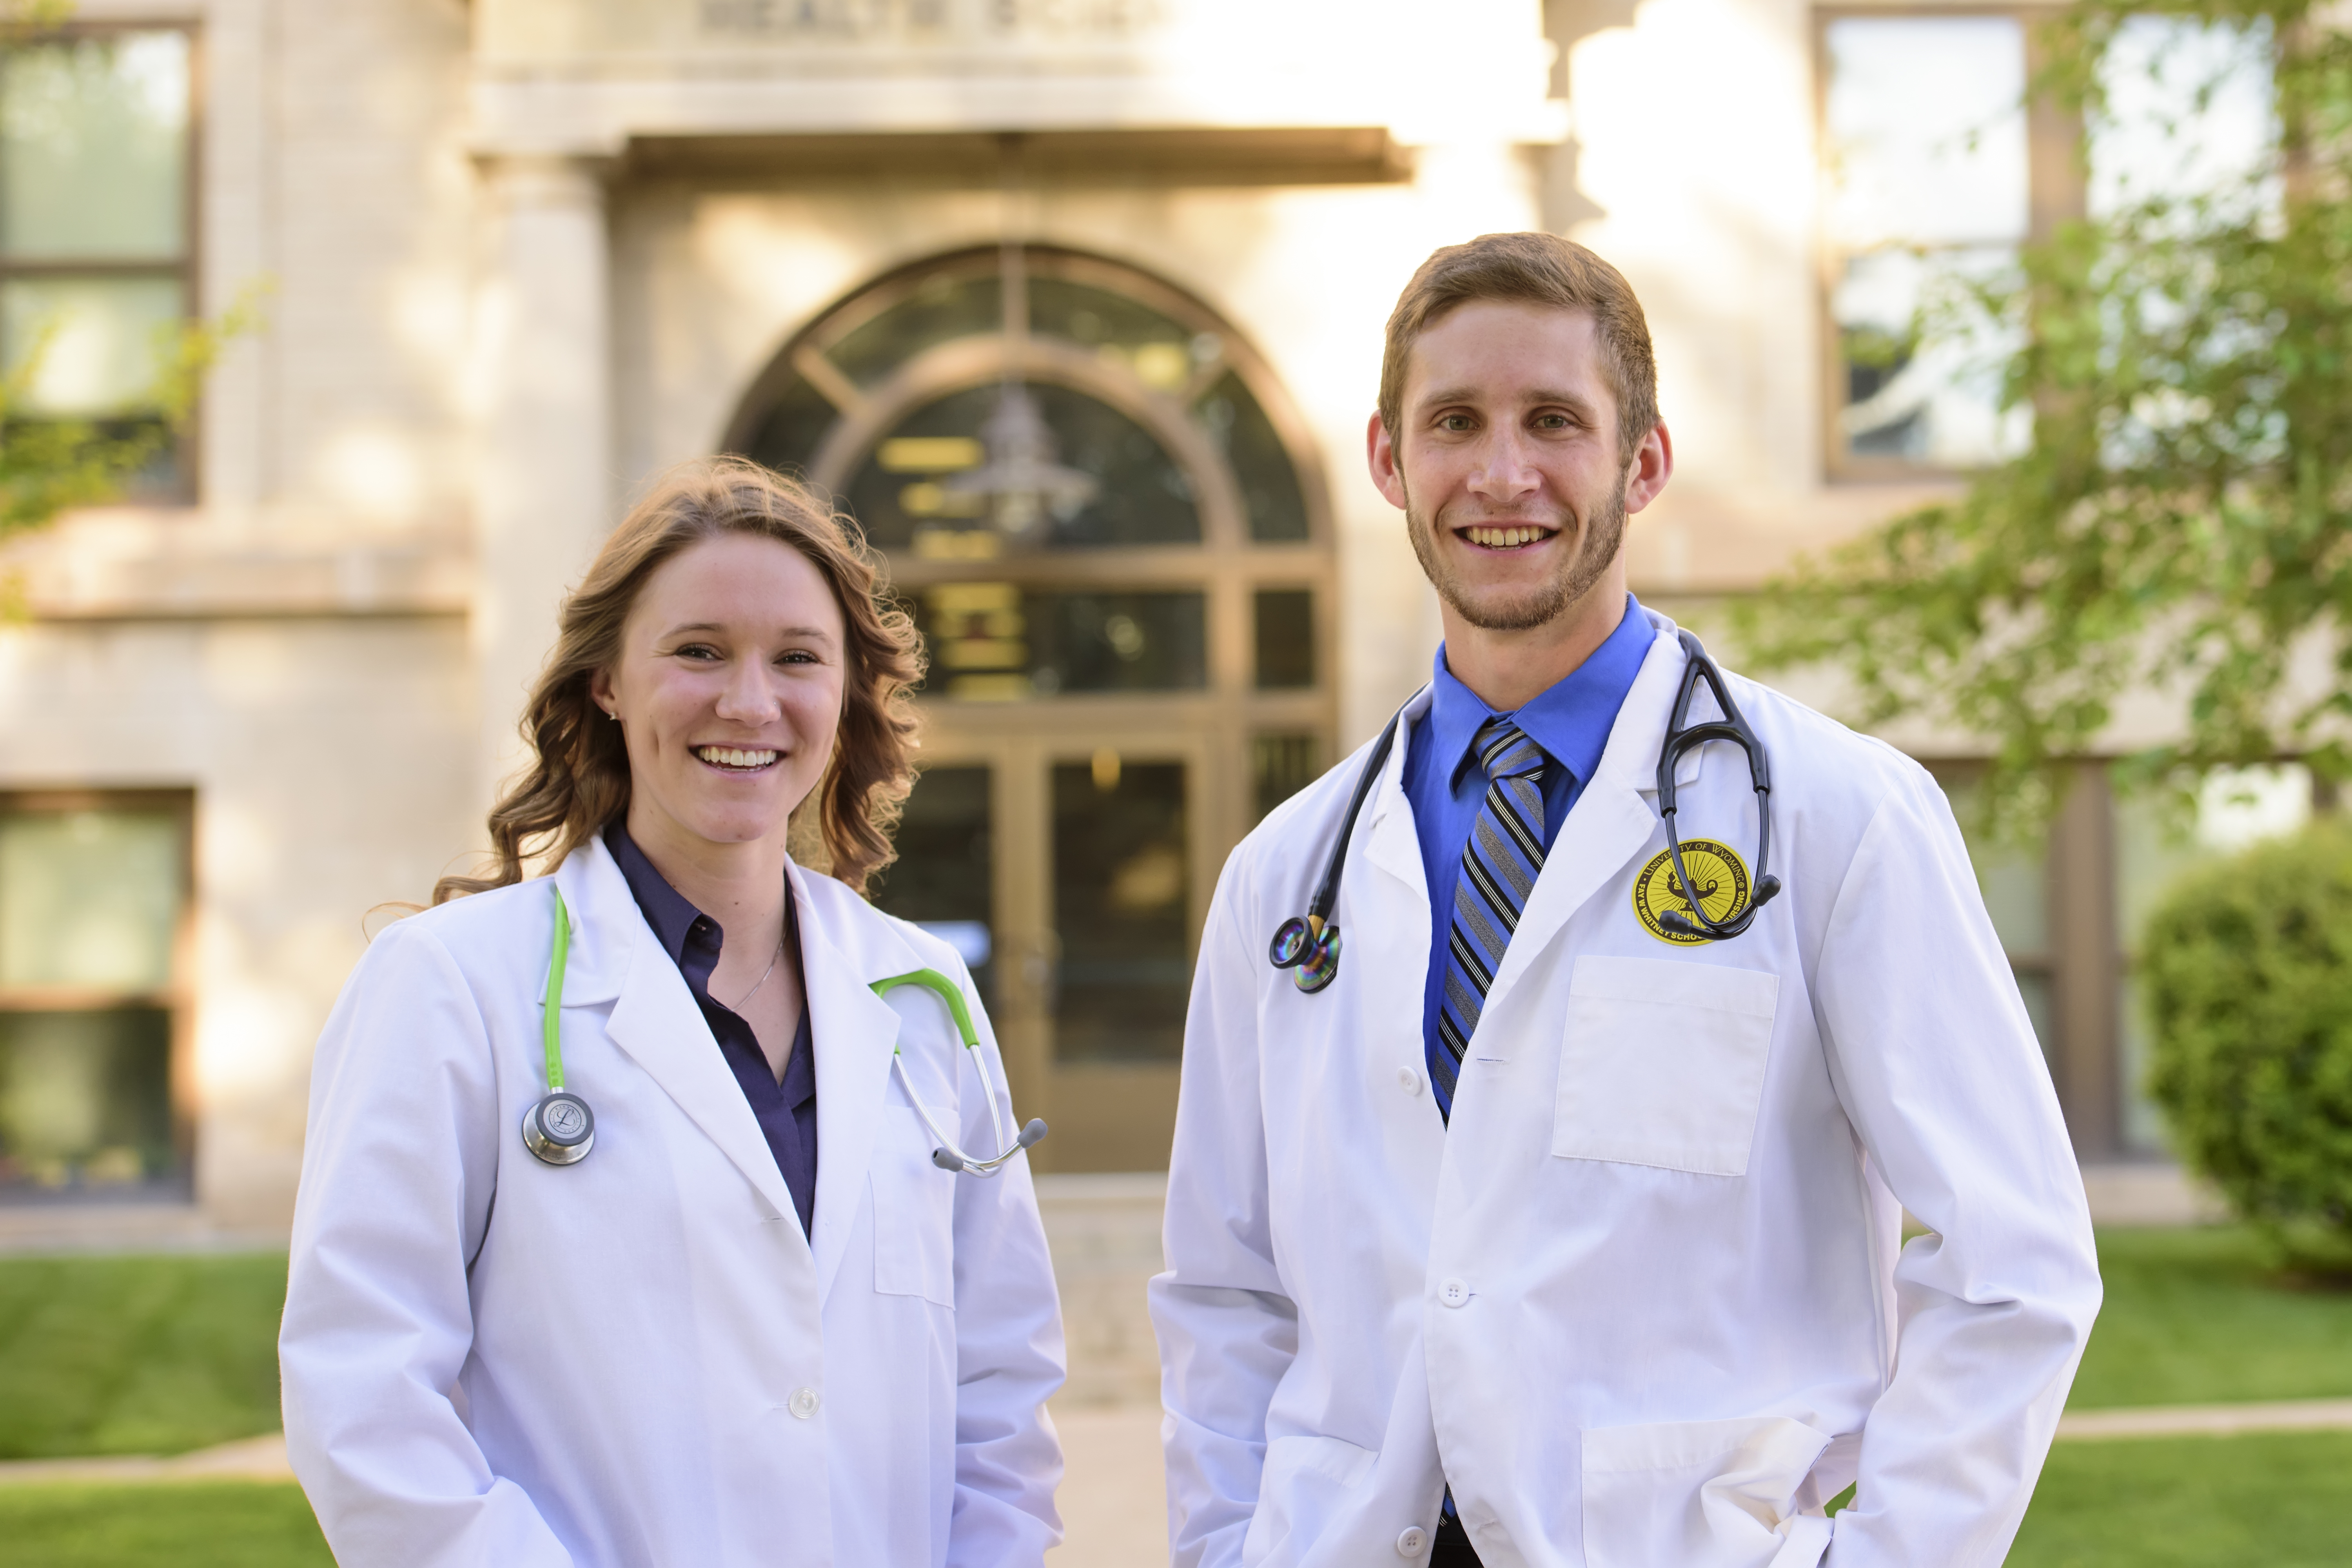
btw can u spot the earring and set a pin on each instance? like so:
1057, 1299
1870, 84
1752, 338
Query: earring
612, 714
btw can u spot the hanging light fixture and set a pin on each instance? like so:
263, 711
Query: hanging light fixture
1023, 479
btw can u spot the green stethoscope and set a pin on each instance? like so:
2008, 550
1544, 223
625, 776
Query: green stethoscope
561, 1129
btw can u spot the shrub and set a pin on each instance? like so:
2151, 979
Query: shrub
2247, 969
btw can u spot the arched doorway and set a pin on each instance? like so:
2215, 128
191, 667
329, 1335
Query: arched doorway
1108, 522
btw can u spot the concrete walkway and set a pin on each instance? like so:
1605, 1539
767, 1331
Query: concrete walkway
261, 1458
2209, 1420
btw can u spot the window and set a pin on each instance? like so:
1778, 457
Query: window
1122, 907
944, 878
96, 162
1930, 191
2014, 877
1281, 765
1937, 166
93, 901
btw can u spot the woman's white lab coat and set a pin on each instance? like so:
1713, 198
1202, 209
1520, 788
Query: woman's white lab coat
639, 1358
1646, 1302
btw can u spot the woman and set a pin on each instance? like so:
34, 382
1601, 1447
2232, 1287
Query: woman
753, 1322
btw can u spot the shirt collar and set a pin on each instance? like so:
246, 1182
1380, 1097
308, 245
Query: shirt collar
674, 920
1571, 720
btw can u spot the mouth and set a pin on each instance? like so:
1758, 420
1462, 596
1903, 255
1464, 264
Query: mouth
1505, 537
737, 760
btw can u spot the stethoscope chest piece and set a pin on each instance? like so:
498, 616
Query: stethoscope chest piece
1310, 948
560, 1129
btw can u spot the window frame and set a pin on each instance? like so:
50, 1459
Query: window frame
2056, 190
176, 996
186, 445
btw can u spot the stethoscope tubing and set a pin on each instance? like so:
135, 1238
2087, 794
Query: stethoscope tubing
560, 1129
949, 1155
1308, 944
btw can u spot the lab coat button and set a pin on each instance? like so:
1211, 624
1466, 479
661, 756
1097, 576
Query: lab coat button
1410, 1543
1408, 1080
803, 1403
1454, 1292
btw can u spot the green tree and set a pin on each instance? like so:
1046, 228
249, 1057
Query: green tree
2178, 520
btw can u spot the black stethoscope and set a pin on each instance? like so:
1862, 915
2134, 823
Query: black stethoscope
1309, 943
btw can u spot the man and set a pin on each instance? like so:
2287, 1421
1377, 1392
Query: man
1563, 1227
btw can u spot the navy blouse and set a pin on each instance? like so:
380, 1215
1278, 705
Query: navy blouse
786, 1110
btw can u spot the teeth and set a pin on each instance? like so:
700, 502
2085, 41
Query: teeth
1504, 538
728, 756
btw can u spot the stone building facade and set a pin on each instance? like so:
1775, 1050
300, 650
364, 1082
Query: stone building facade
518, 256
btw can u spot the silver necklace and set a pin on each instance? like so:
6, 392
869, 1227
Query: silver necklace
738, 1006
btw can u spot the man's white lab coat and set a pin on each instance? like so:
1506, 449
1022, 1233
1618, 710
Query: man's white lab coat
639, 1359
1645, 1304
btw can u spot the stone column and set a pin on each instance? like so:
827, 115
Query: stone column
543, 484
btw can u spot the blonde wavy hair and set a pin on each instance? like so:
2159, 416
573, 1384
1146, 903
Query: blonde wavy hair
578, 780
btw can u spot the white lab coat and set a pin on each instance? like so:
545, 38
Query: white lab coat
1645, 1304
639, 1359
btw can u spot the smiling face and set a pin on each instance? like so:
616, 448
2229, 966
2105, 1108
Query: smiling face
1507, 465
728, 689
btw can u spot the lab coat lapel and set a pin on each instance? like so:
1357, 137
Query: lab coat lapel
1612, 821
853, 1032
654, 1018
1392, 844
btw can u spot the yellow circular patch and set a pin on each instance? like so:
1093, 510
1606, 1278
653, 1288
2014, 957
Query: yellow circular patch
1719, 874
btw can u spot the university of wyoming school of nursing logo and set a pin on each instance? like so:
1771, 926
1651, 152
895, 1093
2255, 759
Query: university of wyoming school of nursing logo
1716, 870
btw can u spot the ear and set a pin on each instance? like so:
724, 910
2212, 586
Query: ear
1380, 455
600, 691
1653, 466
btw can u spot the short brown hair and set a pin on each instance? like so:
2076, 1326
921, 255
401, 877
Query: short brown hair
1532, 270
578, 780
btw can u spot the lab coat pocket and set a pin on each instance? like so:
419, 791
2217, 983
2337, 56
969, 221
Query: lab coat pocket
1302, 1485
914, 1209
1663, 1063
1702, 1494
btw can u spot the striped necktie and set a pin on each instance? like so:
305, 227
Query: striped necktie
1498, 870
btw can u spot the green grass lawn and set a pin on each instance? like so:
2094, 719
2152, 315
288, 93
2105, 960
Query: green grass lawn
190, 1524
2266, 1499
160, 1354
137, 1355
2193, 1318
2272, 1500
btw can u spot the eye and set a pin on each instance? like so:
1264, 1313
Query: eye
1456, 424
699, 651
798, 656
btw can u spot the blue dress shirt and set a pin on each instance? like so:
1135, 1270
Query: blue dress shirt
786, 1110
1571, 720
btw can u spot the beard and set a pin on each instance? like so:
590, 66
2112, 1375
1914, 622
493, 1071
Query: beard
1523, 607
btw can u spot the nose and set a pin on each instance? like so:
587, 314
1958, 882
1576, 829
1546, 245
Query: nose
748, 696
1505, 471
